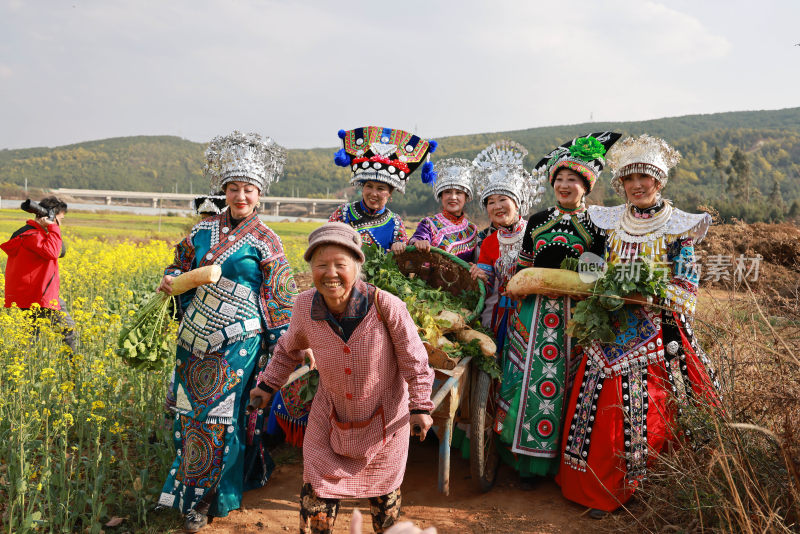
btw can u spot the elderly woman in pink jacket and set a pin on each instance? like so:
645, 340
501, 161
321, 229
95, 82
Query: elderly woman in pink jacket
374, 384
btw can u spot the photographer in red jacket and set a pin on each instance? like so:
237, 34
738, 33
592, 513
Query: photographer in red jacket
32, 268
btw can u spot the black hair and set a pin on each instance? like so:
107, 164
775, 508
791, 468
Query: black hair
54, 203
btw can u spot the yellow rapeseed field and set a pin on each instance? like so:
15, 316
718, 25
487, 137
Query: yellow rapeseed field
82, 437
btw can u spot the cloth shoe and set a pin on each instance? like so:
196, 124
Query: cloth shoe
195, 521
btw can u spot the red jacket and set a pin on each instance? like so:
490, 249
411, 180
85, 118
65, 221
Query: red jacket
32, 268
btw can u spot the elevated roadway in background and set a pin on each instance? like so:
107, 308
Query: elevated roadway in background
275, 203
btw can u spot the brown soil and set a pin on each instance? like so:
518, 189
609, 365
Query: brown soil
777, 244
507, 508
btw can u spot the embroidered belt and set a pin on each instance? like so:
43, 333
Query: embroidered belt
219, 313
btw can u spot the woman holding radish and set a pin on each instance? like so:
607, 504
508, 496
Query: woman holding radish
225, 333
536, 356
628, 388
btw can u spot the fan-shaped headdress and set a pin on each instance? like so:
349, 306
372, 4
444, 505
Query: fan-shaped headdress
384, 155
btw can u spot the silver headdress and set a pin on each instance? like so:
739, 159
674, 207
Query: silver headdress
453, 173
499, 171
242, 157
209, 204
643, 154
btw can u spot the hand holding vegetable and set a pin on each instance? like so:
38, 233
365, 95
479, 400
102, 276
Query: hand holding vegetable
166, 285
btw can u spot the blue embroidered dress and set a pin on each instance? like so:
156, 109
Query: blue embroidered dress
226, 330
377, 227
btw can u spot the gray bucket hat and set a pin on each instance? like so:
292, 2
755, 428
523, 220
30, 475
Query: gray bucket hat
335, 233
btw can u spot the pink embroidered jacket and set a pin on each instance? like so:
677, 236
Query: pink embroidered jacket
356, 441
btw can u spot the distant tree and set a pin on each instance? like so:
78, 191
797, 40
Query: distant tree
719, 165
794, 211
740, 164
777, 206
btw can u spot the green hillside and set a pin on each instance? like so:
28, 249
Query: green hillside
744, 164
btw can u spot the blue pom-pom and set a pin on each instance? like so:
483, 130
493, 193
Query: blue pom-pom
434, 145
341, 158
428, 174
342, 134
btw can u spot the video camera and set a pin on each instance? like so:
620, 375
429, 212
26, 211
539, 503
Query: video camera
31, 206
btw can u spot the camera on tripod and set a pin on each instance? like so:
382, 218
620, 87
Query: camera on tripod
31, 206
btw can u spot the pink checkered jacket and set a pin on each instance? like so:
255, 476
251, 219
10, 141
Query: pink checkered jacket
356, 441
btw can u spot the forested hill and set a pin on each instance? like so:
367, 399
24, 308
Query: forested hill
744, 164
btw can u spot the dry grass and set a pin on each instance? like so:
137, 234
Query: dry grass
739, 472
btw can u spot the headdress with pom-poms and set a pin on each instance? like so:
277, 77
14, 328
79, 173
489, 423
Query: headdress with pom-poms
643, 154
453, 173
582, 155
246, 158
499, 171
387, 155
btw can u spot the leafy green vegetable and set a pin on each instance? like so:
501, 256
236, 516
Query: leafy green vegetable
144, 342
423, 302
591, 319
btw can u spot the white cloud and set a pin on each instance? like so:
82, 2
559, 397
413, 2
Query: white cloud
5, 72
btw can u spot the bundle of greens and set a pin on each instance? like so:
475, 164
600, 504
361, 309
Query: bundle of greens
591, 319
436, 313
144, 343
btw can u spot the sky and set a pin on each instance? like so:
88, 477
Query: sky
298, 71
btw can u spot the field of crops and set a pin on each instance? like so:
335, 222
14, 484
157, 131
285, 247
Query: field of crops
82, 437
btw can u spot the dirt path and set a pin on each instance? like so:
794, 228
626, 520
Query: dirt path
505, 509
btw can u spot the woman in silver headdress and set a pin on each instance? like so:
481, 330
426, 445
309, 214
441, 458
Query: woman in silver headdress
621, 412
226, 329
450, 229
508, 192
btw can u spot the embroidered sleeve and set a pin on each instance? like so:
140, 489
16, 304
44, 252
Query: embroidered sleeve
682, 287
338, 214
401, 236
423, 231
412, 358
184, 258
277, 294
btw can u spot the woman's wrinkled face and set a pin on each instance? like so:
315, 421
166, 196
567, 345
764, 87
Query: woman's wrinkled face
453, 201
641, 189
241, 198
334, 271
569, 188
502, 210
376, 194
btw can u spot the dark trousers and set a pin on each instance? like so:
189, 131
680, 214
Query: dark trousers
60, 321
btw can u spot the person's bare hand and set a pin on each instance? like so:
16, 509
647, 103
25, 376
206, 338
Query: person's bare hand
407, 527
420, 424
259, 398
166, 284
476, 272
398, 247
308, 358
421, 244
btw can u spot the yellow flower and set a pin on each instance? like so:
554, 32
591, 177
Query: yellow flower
98, 405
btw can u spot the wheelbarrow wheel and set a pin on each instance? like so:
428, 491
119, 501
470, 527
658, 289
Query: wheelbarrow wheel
483, 458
